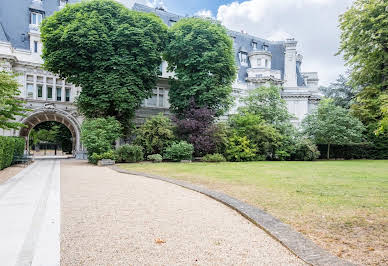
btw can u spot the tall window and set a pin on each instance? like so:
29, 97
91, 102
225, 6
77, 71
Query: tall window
35, 46
49, 92
36, 18
158, 99
59, 94
30, 90
67, 94
258, 61
40, 90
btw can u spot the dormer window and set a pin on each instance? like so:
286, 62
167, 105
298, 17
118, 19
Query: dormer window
254, 45
36, 18
172, 22
265, 47
62, 3
243, 58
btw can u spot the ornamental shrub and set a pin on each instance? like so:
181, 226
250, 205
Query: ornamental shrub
129, 154
214, 158
196, 127
179, 151
98, 135
305, 150
156, 158
94, 158
240, 149
155, 134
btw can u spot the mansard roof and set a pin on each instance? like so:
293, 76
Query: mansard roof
3, 36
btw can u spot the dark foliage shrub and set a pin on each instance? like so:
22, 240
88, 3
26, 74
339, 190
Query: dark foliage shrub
156, 158
196, 127
305, 150
129, 154
179, 151
214, 158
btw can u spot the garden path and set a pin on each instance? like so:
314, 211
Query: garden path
29, 216
120, 219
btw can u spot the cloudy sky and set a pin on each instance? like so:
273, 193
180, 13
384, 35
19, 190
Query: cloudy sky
313, 23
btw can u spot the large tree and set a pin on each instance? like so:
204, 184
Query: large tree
331, 124
10, 106
267, 102
364, 42
200, 52
342, 93
113, 53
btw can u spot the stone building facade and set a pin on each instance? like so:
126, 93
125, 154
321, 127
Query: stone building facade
259, 62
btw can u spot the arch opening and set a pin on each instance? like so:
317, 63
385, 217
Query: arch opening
52, 116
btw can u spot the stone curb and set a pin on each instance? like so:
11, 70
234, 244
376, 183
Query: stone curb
299, 245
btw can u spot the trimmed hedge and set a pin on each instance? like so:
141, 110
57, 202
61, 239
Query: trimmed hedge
9, 148
353, 151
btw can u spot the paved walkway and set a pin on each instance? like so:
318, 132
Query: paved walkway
29, 216
110, 218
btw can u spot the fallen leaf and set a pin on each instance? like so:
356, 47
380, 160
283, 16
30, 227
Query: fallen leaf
159, 241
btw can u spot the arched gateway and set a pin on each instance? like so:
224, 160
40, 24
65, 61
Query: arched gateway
49, 113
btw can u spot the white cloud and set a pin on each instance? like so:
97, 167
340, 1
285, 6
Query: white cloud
312, 22
204, 13
150, 3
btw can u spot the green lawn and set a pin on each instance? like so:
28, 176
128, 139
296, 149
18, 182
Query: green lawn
342, 205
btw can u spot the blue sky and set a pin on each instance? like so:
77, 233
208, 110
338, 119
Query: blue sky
313, 23
190, 7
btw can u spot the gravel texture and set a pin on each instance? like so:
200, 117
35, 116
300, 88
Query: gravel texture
109, 218
9, 172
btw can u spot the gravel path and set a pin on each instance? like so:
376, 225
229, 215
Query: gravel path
110, 218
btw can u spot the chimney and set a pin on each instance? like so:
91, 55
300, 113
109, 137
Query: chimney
290, 63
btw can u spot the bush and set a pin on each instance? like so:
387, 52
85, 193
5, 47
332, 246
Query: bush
10, 147
196, 127
98, 135
156, 158
129, 154
20, 145
240, 149
263, 136
155, 134
214, 158
180, 151
94, 158
305, 150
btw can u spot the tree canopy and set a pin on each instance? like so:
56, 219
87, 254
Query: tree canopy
364, 42
113, 53
342, 93
267, 102
10, 106
331, 124
200, 52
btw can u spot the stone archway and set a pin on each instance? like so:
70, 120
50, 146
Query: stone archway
52, 114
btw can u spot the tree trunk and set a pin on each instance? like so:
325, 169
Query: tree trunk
328, 151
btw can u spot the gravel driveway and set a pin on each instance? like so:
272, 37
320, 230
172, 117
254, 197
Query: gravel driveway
110, 218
